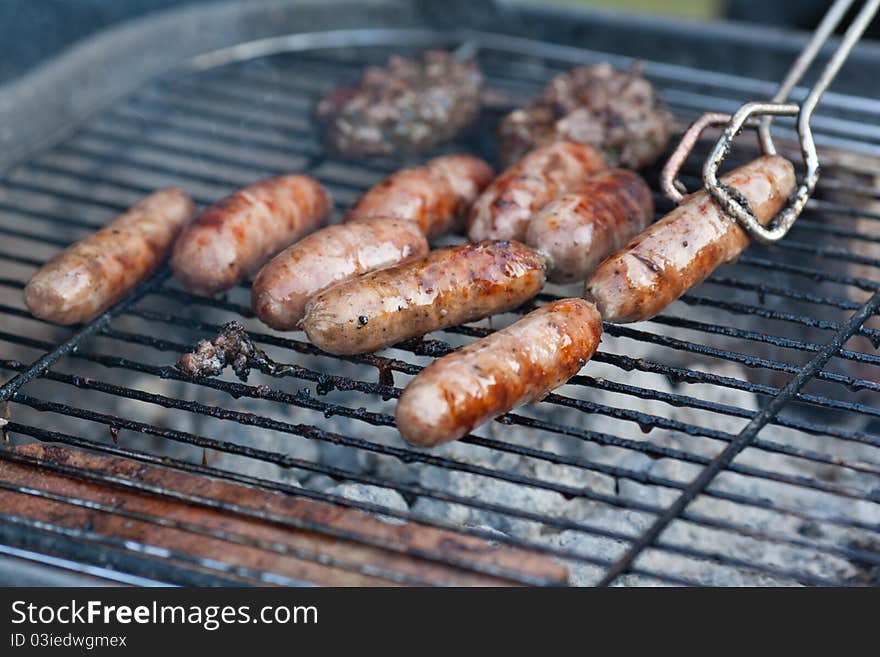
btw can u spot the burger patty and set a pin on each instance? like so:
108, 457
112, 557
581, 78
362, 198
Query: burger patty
617, 112
409, 105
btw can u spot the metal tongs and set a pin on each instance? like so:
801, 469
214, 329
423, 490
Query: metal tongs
747, 115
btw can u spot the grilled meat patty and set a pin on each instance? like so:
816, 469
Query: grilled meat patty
409, 105
617, 112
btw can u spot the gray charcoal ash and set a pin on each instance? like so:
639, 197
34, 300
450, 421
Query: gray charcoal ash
392, 469
155, 415
435, 509
577, 509
346, 457
486, 529
632, 490
251, 467
384, 497
631, 581
319, 482
581, 573
492, 491
782, 556
499, 491
570, 476
593, 545
706, 572
774, 523
255, 437
660, 385
647, 494
204, 426
483, 456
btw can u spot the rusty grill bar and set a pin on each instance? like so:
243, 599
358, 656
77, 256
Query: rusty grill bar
794, 314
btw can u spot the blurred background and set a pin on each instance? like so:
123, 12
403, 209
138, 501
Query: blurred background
32, 30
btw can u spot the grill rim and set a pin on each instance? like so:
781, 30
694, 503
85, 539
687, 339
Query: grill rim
65, 350
50, 101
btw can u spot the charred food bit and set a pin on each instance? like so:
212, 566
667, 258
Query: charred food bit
617, 112
408, 105
233, 347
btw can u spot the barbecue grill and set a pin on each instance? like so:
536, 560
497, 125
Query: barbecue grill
734, 439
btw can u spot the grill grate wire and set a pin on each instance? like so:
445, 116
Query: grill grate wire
169, 132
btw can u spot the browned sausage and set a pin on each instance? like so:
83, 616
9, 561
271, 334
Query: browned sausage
578, 230
684, 247
437, 195
91, 275
503, 211
445, 288
516, 365
328, 256
236, 235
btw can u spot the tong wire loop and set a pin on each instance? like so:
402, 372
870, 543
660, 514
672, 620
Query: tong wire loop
759, 115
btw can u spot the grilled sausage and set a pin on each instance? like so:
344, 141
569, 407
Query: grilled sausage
447, 287
516, 365
437, 195
682, 249
579, 229
91, 275
236, 235
332, 254
503, 211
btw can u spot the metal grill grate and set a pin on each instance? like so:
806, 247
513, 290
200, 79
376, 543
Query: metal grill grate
731, 439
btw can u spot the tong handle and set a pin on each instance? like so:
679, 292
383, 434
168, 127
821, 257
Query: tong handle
759, 115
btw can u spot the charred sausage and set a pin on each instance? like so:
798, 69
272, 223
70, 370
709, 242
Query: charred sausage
579, 229
516, 365
333, 254
91, 275
236, 235
447, 287
682, 249
436, 195
503, 211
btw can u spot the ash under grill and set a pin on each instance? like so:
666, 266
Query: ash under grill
630, 474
